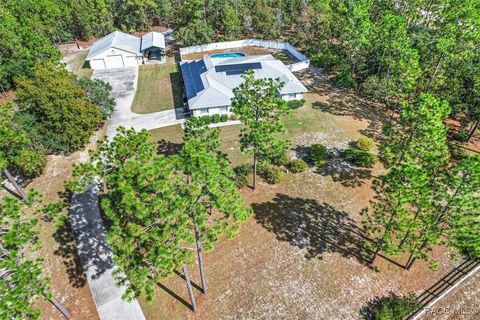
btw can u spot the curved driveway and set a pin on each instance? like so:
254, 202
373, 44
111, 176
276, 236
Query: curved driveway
124, 87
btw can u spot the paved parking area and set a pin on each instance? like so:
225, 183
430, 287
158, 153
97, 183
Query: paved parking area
124, 87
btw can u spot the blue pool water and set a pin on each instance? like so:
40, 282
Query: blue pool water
228, 55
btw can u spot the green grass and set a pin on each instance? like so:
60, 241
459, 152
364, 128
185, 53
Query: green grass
159, 88
170, 140
78, 65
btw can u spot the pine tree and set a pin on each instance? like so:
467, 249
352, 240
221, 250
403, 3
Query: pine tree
215, 206
258, 106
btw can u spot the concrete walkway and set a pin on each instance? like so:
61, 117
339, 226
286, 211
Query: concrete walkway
124, 86
96, 258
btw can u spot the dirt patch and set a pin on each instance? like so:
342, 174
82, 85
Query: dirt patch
282, 55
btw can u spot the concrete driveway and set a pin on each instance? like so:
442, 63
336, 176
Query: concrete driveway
124, 87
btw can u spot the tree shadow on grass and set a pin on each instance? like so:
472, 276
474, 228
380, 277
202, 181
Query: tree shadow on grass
358, 109
316, 227
168, 148
344, 173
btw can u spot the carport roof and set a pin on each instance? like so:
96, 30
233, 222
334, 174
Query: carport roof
118, 40
153, 39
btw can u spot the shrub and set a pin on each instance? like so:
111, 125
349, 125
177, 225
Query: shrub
206, 120
344, 79
364, 144
241, 175
271, 174
297, 166
393, 308
224, 117
216, 118
233, 116
295, 104
318, 154
359, 157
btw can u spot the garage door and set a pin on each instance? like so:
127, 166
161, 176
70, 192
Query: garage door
131, 61
115, 61
97, 64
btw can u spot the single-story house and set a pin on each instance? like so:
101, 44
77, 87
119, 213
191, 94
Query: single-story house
119, 50
209, 82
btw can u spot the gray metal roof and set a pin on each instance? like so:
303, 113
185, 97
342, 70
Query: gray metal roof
118, 40
208, 88
153, 39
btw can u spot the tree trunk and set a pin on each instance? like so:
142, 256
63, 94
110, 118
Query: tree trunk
17, 187
435, 73
189, 288
254, 171
475, 127
411, 261
200, 259
61, 308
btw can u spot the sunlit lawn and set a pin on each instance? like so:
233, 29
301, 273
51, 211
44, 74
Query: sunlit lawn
159, 88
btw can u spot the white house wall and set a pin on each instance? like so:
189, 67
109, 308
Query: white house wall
114, 58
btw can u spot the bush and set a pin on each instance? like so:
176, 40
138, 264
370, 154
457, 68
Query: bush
318, 154
297, 166
393, 308
224, 117
295, 104
206, 120
241, 175
216, 118
271, 174
359, 157
233, 116
364, 144
344, 79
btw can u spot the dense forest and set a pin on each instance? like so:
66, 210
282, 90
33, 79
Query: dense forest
390, 51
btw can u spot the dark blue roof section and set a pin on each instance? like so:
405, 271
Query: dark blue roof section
232, 69
191, 72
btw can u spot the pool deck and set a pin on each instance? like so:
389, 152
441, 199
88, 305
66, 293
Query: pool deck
283, 56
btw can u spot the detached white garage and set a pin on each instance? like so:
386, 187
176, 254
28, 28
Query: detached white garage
120, 50
117, 50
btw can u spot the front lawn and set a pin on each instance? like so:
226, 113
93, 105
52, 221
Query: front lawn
159, 88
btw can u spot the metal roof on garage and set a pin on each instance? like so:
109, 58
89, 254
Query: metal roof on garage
153, 39
118, 40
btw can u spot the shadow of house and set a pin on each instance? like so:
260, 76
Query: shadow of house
317, 228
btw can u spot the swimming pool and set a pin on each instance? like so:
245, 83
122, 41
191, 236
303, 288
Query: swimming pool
228, 55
